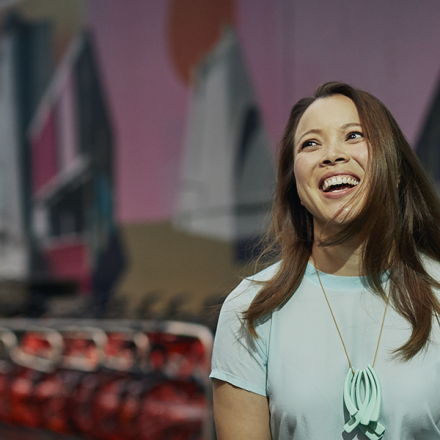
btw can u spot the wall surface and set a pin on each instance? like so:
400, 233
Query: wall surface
147, 54
149, 59
148, 103
386, 47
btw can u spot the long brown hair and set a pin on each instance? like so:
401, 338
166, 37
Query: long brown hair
400, 220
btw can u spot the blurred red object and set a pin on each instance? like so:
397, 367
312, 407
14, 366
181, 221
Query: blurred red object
126, 350
38, 352
125, 354
121, 384
106, 407
8, 370
52, 395
177, 355
57, 393
162, 409
24, 409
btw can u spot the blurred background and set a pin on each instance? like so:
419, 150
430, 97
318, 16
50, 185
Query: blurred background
137, 137
137, 143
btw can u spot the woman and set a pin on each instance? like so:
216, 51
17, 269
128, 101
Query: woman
308, 348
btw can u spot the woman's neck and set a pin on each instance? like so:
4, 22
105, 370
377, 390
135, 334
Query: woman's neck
343, 260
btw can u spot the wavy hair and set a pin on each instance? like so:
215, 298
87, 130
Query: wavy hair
400, 220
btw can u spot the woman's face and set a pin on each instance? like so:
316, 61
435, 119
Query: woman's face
330, 159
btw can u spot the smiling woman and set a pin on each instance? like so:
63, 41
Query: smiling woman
330, 159
356, 221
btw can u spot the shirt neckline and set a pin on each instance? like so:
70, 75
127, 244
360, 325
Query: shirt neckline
336, 281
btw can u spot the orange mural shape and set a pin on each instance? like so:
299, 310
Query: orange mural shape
195, 26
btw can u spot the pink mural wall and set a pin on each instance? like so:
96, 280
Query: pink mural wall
387, 47
147, 101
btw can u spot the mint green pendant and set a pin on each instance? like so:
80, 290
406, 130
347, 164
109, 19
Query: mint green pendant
364, 407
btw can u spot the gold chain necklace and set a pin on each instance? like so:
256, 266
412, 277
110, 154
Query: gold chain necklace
364, 407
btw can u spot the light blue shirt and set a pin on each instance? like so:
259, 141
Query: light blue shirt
298, 361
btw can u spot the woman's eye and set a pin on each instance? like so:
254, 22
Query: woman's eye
309, 144
355, 135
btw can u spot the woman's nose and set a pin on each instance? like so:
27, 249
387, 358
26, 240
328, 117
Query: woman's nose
334, 154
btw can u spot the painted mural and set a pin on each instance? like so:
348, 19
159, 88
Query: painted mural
228, 171
72, 177
207, 177
137, 144
138, 138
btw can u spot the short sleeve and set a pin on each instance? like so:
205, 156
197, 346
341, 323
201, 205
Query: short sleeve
238, 358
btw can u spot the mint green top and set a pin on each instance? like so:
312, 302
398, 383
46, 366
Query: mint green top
299, 362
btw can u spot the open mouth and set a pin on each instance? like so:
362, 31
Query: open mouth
339, 183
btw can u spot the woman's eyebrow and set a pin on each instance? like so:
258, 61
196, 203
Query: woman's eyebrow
351, 124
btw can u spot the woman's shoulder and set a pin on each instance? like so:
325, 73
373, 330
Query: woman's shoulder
248, 288
265, 274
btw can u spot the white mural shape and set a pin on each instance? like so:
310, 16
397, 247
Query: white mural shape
228, 174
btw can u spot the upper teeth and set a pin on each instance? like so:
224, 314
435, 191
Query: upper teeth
339, 180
